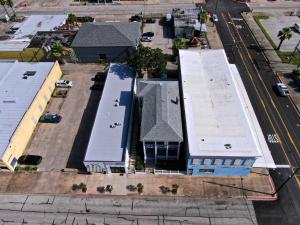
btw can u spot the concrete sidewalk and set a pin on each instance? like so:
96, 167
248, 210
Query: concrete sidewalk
258, 184
274, 60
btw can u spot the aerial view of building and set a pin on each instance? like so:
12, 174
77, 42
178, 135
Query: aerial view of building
110, 140
25, 89
222, 139
118, 40
161, 127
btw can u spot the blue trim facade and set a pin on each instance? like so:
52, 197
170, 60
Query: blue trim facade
213, 166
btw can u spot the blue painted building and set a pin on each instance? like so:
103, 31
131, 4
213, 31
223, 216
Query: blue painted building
222, 137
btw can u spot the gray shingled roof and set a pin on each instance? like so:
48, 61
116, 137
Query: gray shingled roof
107, 34
161, 116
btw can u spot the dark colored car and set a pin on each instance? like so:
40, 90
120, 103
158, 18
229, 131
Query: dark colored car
50, 118
136, 18
60, 93
146, 39
30, 160
148, 34
150, 20
100, 76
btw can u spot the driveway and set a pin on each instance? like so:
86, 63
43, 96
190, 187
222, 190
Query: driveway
63, 145
162, 36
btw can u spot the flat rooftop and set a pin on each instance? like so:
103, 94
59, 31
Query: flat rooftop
108, 144
216, 118
17, 94
28, 28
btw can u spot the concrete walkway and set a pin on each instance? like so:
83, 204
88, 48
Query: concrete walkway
258, 184
275, 62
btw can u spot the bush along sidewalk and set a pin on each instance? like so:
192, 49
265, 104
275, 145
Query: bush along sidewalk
81, 186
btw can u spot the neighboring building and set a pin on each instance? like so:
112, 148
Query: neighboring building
25, 31
107, 41
186, 23
161, 127
109, 144
223, 137
23, 99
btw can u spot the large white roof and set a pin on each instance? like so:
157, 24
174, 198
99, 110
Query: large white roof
108, 144
17, 94
216, 118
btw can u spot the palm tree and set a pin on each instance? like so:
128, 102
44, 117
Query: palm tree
285, 33
3, 3
10, 3
58, 51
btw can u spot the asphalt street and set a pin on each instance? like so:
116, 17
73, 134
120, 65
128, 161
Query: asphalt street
277, 115
106, 210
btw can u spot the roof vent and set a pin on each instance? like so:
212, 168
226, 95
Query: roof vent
227, 146
117, 124
24, 77
29, 73
112, 126
116, 100
175, 101
9, 101
116, 104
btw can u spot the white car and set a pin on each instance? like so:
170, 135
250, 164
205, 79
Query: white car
64, 83
215, 18
283, 90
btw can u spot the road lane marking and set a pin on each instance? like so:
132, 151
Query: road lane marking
283, 166
257, 93
273, 138
267, 91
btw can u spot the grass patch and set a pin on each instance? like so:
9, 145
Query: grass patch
284, 56
27, 55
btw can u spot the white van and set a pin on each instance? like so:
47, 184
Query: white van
64, 83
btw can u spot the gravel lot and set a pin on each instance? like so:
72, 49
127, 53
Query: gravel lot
275, 24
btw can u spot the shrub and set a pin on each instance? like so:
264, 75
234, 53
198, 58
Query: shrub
84, 189
140, 187
109, 188
75, 187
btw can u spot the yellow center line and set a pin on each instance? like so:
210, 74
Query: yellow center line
261, 101
286, 129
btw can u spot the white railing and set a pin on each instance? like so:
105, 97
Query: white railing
168, 172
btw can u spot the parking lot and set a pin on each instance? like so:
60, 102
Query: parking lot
162, 36
63, 145
275, 23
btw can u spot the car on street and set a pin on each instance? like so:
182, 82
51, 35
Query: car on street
136, 18
30, 160
146, 39
215, 18
282, 89
50, 118
64, 83
297, 27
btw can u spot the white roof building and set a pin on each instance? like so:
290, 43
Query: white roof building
28, 28
17, 94
220, 120
109, 138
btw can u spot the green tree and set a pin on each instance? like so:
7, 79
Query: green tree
59, 51
285, 33
3, 3
203, 16
146, 58
72, 18
10, 3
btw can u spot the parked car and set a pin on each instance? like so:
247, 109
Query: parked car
297, 27
148, 34
150, 20
215, 18
30, 160
60, 93
100, 76
146, 39
50, 118
64, 83
136, 18
282, 89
